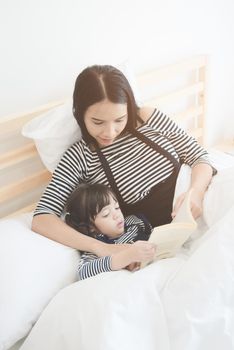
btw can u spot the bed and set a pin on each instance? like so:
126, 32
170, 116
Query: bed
185, 302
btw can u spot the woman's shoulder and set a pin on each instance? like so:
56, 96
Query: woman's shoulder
154, 118
77, 149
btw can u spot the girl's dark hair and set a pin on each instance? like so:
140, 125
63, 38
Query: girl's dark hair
97, 83
84, 204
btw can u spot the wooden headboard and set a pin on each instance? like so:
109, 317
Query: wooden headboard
179, 89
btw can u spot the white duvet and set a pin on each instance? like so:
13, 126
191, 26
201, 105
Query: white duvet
181, 303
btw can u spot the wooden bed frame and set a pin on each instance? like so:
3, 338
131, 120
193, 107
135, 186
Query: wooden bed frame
184, 86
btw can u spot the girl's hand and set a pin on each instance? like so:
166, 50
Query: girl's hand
196, 200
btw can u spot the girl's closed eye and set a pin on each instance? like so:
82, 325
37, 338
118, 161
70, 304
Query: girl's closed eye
105, 213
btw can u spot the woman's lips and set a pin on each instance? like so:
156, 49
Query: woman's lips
106, 140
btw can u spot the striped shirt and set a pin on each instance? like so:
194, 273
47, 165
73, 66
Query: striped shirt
135, 166
135, 229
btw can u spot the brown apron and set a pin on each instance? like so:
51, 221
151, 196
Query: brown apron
156, 206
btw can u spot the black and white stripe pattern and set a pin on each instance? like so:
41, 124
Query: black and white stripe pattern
90, 265
135, 166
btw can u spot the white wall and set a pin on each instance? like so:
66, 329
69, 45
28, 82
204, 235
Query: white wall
44, 45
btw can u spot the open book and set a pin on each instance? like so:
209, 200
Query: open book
169, 238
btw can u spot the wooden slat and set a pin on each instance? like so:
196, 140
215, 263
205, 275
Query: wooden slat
27, 209
16, 156
192, 89
15, 122
191, 112
30, 182
196, 133
169, 71
40, 109
202, 100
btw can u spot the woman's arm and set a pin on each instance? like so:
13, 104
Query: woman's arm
201, 177
200, 180
54, 228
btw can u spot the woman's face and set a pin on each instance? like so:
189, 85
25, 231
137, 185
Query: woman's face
105, 121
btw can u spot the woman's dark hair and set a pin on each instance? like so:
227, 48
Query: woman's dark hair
84, 204
97, 83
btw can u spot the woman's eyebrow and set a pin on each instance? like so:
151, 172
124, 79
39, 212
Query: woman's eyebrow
122, 116
95, 118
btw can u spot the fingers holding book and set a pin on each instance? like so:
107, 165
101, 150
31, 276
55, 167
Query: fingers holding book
142, 251
195, 199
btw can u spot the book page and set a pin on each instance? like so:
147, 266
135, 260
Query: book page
170, 237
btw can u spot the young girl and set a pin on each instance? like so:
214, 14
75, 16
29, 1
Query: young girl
94, 211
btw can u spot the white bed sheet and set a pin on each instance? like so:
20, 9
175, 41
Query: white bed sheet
17, 345
185, 302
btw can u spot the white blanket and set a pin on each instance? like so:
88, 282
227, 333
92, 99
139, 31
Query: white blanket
185, 302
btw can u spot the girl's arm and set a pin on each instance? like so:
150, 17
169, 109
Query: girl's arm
52, 227
90, 265
200, 180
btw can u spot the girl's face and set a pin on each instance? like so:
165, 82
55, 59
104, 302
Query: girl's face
110, 220
105, 121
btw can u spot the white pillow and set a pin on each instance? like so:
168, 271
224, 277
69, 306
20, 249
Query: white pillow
32, 270
219, 197
55, 131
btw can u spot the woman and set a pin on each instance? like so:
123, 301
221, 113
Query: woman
136, 151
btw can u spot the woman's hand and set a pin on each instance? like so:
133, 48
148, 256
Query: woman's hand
138, 252
200, 179
133, 266
196, 200
142, 251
